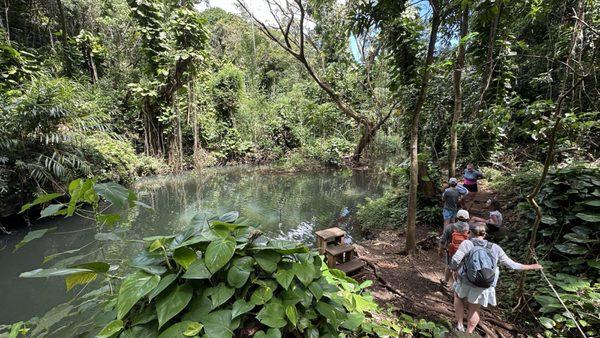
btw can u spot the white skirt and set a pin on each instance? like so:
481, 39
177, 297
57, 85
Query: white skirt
474, 294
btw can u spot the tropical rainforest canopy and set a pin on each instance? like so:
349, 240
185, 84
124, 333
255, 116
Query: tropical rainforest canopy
98, 91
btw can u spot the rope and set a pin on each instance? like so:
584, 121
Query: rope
560, 300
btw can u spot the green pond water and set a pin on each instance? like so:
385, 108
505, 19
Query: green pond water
287, 206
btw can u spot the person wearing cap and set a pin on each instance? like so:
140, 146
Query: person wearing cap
462, 226
451, 197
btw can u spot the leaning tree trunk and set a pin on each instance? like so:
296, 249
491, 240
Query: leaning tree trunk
458, 92
414, 132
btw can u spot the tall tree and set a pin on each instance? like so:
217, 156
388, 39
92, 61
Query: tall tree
64, 38
411, 221
459, 65
291, 34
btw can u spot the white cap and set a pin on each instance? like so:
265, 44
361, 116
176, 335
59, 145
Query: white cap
453, 180
462, 214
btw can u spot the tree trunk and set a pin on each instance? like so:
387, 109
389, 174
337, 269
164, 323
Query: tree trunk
414, 131
6, 24
65, 39
489, 65
458, 92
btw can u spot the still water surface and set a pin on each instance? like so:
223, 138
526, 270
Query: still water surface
287, 206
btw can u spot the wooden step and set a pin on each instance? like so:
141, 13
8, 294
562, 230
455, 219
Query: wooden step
349, 267
337, 250
330, 233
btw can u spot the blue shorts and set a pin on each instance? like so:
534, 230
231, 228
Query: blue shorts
448, 214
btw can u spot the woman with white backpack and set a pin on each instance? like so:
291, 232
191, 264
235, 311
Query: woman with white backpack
476, 261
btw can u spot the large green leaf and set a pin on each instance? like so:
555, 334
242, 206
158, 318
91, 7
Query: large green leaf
133, 288
267, 260
40, 200
218, 253
589, 217
111, 329
284, 277
229, 217
305, 271
197, 270
219, 294
31, 236
216, 324
240, 307
52, 210
571, 248
199, 307
271, 333
184, 256
272, 314
52, 272
116, 194
169, 305
177, 330
292, 314
240, 270
262, 295
79, 278
164, 283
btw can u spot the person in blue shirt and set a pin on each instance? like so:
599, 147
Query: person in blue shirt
451, 197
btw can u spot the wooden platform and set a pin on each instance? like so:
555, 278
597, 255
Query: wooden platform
337, 250
338, 254
330, 233
351, 266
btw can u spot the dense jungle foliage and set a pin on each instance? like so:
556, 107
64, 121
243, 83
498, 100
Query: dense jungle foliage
219, 277
113, 90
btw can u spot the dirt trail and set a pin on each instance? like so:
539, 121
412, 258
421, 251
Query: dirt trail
412, 283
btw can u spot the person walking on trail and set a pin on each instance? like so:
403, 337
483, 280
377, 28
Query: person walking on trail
476, 262
451, 197
494, 221
470, 177
450, 241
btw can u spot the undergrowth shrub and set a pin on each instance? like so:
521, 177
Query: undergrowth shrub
568, 241
115, 159
331, 151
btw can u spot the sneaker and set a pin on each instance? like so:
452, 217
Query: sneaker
460, 328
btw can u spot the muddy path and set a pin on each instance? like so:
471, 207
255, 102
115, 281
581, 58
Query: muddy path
412, 283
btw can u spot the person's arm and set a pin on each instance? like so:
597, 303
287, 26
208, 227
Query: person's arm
444, 196
444, 240
479, 174
509, 263
462, 251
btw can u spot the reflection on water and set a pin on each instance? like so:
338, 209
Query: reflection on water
287, 206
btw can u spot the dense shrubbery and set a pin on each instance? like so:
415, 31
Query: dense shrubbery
568, 243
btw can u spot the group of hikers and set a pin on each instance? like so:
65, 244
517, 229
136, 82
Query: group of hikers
471, 261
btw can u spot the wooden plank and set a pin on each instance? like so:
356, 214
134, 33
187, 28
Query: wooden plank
349, 267
336, 250
330, 233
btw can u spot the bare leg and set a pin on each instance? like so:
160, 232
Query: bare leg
459, 311
472, 317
